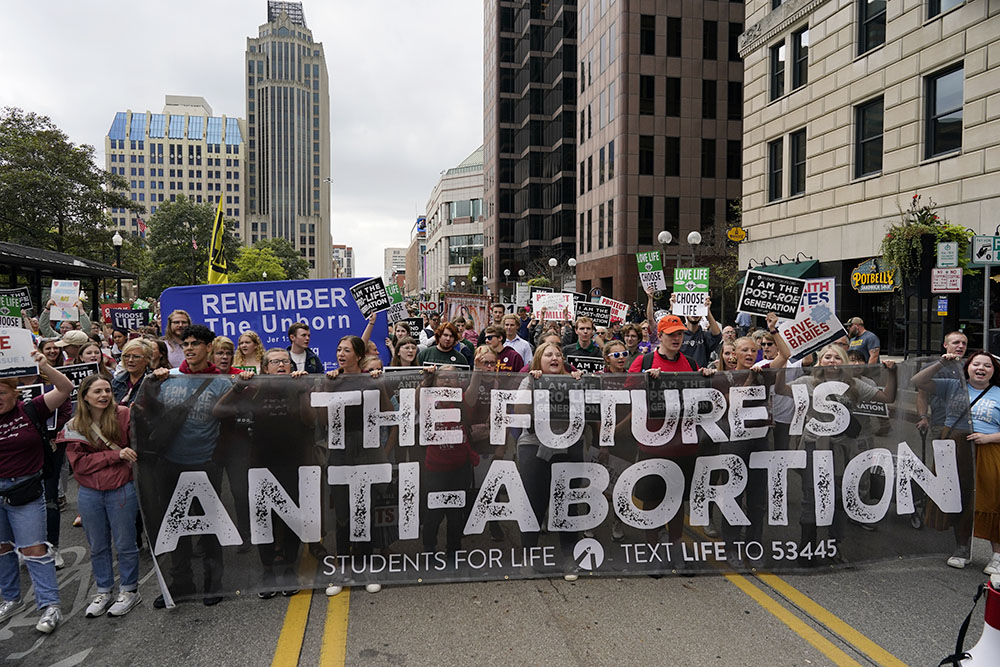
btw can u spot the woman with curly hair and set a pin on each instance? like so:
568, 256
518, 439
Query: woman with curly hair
249, 352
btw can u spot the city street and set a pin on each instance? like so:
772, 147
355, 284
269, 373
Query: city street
896, 613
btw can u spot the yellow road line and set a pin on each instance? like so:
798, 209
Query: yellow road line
797, 625
827, 618
334, 648
293, 631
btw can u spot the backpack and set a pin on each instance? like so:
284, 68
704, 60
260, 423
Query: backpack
647, 361
50, 462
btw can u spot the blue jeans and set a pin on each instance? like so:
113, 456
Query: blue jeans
111, 515
24, 526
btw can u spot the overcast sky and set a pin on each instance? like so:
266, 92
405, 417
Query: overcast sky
405, 86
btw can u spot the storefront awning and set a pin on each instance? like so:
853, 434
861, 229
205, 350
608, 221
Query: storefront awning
806, 269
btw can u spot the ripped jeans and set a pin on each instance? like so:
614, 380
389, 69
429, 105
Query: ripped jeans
24, 526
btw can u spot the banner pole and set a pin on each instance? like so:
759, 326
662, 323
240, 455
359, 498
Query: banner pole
986, 308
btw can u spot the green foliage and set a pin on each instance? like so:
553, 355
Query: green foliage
541, 281
902, 245
174, 259
476, 270
52, 196
254, 262
295, 266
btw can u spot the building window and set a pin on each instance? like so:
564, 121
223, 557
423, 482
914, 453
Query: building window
735, 30
708, 158
734, 159
672, 155
673, 96
590, 230
672, 216
797, 162
647, 35
611, 160
709, 40
645, 221
778, 70
871, 28
800, 58
647, 95
674, 36
775, 151
601, 165
868, 144
944, 111
708, 98
940, 6
734, 100
611, 223
646, 149
600, 227
590, 172
583, 177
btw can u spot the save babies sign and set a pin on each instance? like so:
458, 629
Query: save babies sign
817, 324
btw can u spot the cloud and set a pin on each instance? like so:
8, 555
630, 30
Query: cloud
405, 87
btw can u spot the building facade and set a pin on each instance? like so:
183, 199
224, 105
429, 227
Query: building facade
852, 108
529, 129
660, 109
416, 272
393, 262
343, 260
454, 226
288, 136
185, 150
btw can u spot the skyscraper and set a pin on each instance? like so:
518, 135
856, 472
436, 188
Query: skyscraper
288, 136
529, 126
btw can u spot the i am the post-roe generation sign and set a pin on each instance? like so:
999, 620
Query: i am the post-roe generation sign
269, 308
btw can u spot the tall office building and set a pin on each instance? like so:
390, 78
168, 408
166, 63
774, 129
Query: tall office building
288, 136
343, 260
394, 262
529, 125
183, 151
454, 225
660, 130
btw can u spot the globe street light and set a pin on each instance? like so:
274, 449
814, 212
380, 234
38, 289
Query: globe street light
116, 240
552, 266
694, 238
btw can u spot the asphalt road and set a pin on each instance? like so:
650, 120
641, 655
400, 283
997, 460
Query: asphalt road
902, 612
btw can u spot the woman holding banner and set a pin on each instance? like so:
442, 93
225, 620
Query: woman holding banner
97, 440
22, 514
249, 353
534, 459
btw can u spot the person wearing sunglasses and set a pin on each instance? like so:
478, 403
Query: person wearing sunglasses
508, 359
615, 357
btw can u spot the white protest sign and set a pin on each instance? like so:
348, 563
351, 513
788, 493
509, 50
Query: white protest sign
523, 293
16, 358
65, 293
553, 306
651, 270
619, 309
817, 324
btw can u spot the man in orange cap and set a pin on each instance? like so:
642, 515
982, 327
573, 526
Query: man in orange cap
667, 356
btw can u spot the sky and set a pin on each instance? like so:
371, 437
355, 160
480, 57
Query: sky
405, 87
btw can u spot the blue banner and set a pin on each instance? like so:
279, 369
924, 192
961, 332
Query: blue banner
269, 308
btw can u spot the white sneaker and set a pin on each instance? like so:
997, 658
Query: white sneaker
333, 589
50, 619
960, 558
100, 605
373, 588
993, 567
123, 605
570, 577
57, 557
8, 608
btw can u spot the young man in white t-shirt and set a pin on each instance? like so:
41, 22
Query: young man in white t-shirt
303, 358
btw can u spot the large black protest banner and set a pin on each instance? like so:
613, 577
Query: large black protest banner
598, 312
765, 293
425, 475
20, 294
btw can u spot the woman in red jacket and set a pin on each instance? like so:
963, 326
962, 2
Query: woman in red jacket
97, 447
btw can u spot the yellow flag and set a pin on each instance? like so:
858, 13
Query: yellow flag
217, 271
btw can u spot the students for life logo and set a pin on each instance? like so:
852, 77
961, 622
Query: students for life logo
588, 554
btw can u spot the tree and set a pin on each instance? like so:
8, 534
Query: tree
476, 270
296, 266
52, 195
179, 238
254, 263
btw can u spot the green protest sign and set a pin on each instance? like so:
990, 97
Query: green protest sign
690, 292
651, 270
10, 311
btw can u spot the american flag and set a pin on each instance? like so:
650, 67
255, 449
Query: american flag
142, 225
194, 244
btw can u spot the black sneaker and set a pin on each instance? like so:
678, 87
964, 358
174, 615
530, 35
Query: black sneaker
267, 595
159, 603
212, 601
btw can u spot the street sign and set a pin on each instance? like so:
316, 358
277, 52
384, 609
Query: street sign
946, 281
942, 306
736, 234
947, 254
986, 250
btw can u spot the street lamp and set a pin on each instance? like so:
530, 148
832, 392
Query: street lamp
475, 284
694, 238
552, 266
117, 241
265, 274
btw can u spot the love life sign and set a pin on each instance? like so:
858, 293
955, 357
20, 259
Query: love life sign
690, 292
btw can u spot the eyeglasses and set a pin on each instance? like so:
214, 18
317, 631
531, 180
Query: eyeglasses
279, 362
193, 343
617, 355
132, 357
764, 343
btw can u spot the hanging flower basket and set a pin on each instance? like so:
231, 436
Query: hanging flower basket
920, 228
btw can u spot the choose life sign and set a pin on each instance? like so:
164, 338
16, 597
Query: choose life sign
651, 270
690, 292
269, 308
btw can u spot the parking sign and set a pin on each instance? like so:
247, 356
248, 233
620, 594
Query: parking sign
986, 250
